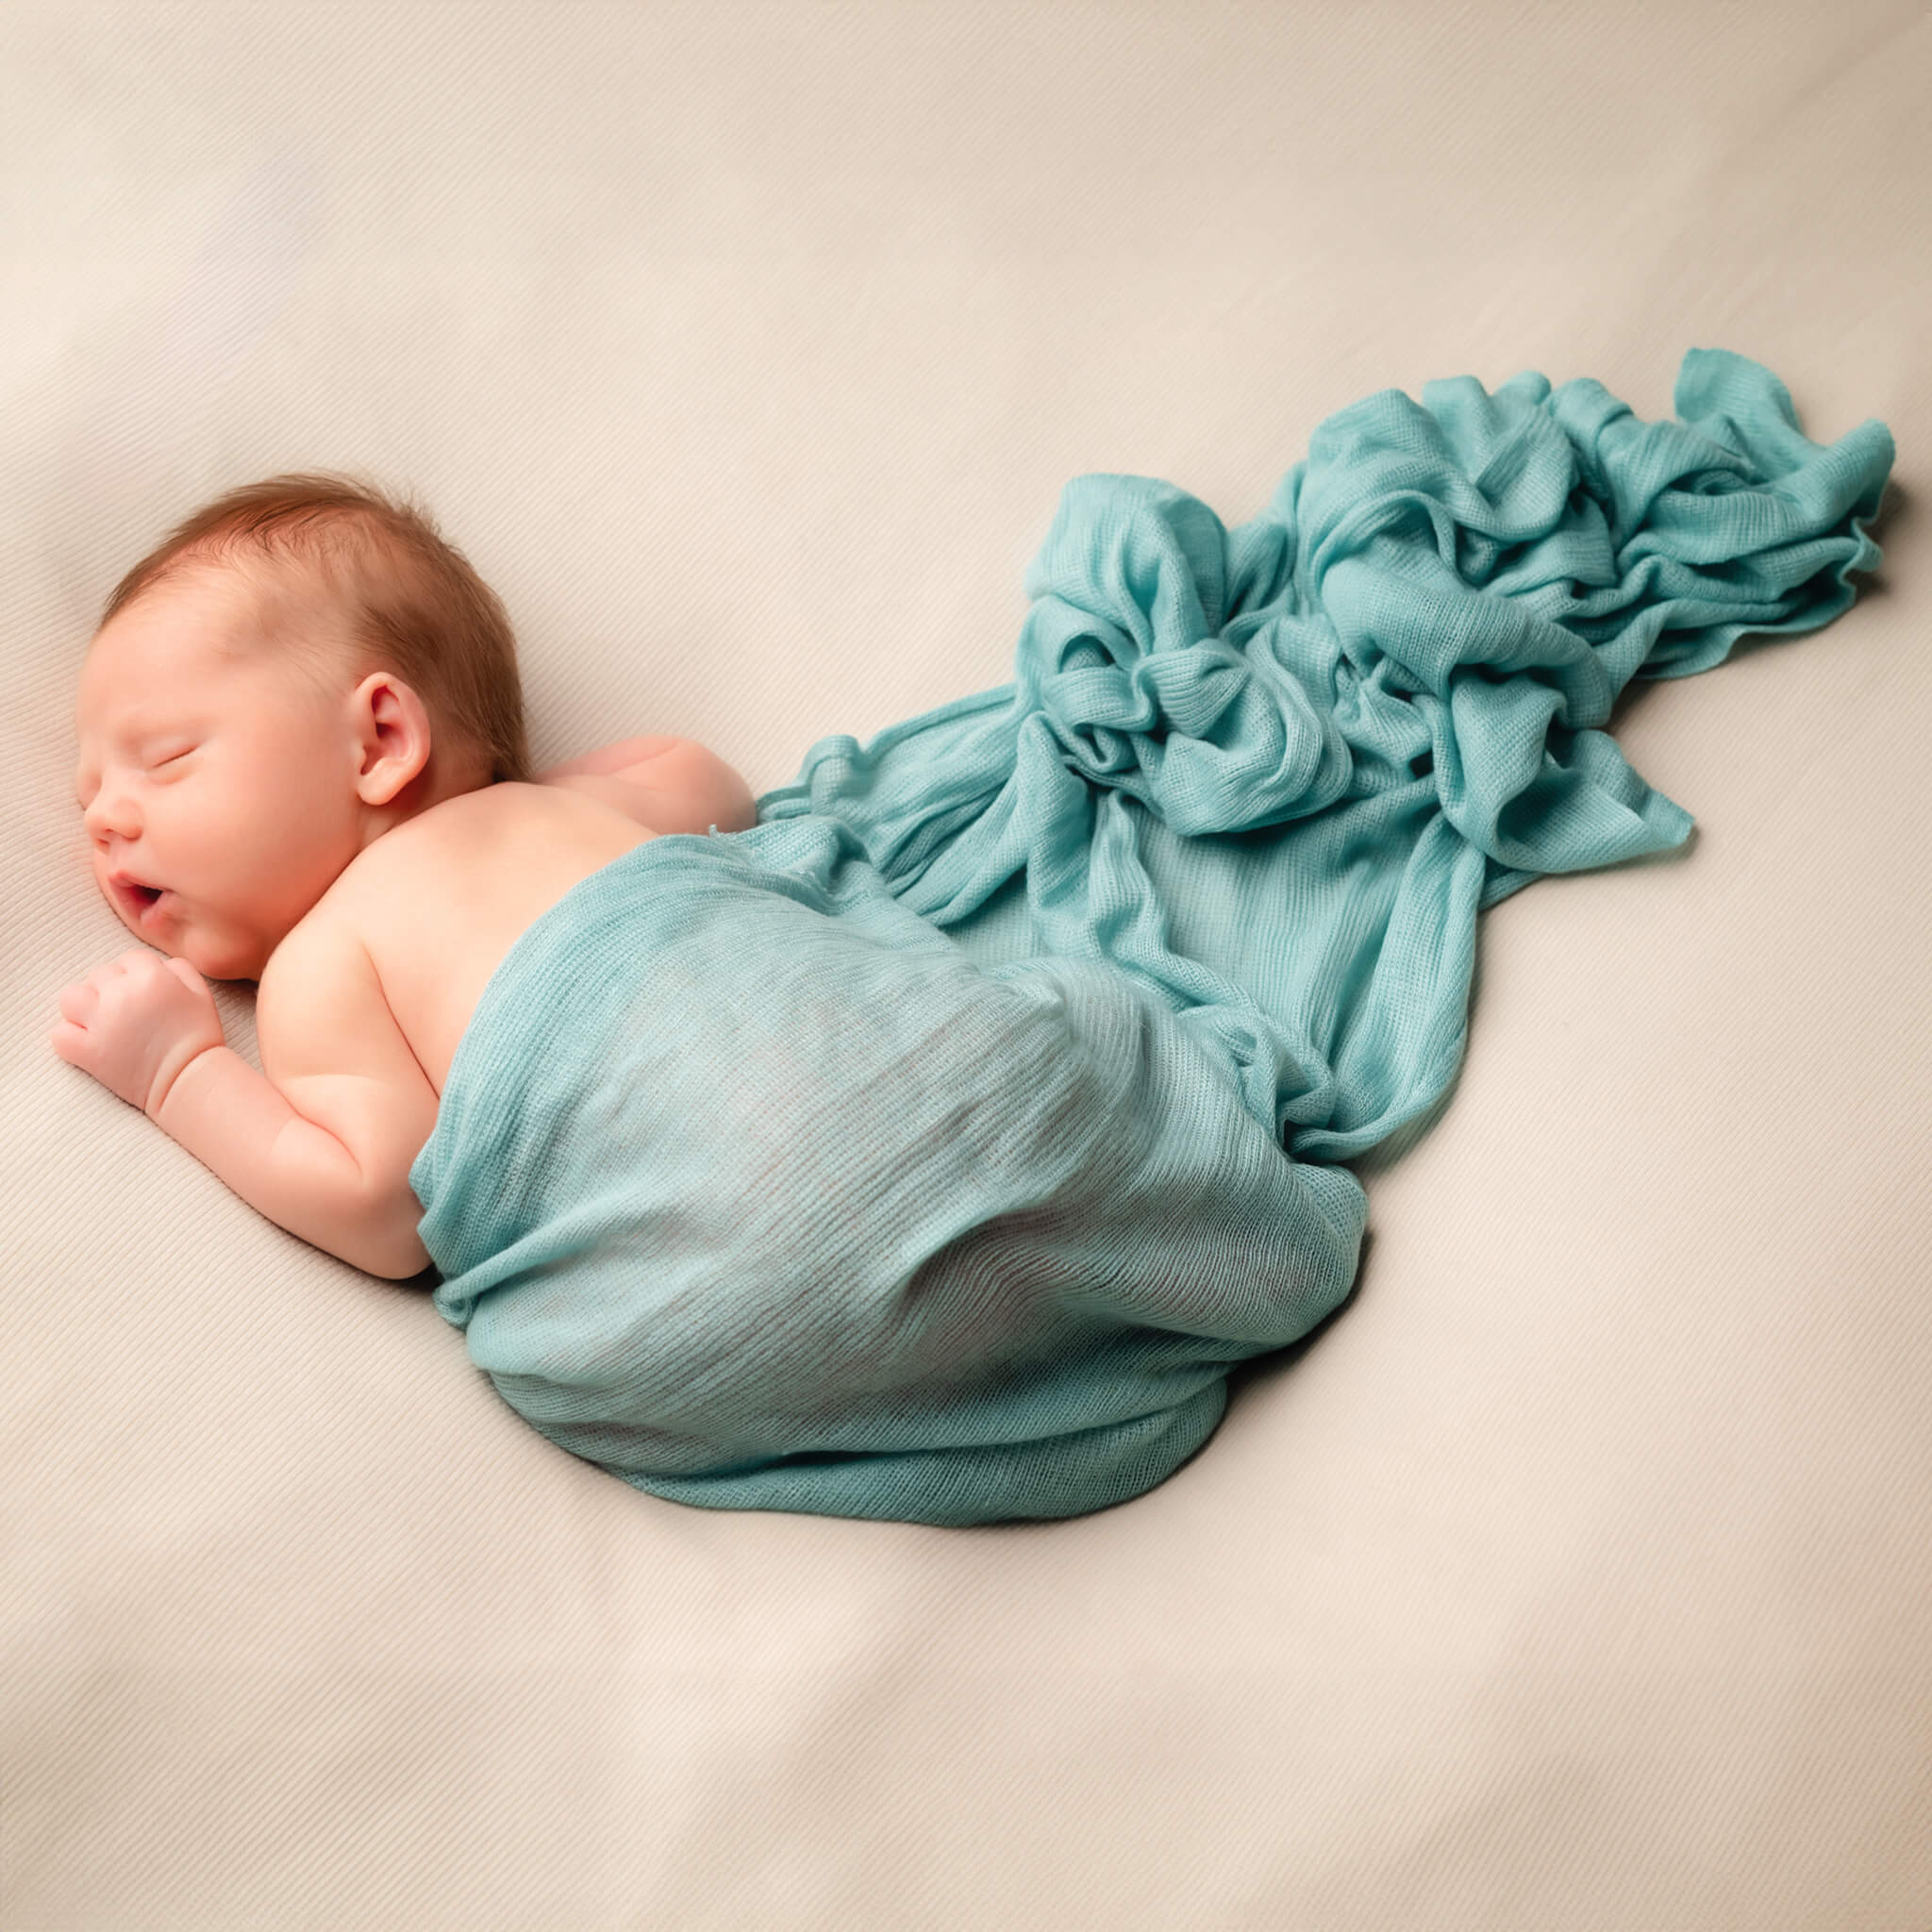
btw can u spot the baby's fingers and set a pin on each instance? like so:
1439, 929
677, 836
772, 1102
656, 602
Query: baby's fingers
79, 1001
70, 1042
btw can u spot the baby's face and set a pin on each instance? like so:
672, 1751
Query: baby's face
217, 789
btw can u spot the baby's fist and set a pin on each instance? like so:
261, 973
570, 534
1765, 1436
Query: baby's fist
135, 1023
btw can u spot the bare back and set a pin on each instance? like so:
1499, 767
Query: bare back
439, 901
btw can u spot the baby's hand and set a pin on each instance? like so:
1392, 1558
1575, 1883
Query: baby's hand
135, 1023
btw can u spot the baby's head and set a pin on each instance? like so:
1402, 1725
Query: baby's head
301, 666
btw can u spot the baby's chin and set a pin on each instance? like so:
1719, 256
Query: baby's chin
210, 957
236, 960
182, 934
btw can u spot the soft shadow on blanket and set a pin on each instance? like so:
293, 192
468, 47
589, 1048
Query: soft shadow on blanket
935, 1149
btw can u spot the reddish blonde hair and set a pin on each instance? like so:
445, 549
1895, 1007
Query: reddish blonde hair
416, 607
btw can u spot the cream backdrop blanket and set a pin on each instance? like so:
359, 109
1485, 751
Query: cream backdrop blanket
1580, 1576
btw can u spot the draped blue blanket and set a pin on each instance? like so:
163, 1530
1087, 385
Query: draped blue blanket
934, 1149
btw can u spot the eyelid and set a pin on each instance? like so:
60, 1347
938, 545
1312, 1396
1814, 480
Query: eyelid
172, 759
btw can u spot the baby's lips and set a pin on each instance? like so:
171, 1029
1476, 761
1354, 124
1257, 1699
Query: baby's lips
136, 895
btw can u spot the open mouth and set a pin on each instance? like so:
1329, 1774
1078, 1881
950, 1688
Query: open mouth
136, 898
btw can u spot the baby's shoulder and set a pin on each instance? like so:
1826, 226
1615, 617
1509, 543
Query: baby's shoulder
335, 935
320, 972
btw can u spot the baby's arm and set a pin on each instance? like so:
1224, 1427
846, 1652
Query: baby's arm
322, 1140
298, 1172
669, 784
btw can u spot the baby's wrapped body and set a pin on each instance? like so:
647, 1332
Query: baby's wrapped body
934, 1149
753, 1187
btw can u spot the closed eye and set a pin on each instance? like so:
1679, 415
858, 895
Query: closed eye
172, 758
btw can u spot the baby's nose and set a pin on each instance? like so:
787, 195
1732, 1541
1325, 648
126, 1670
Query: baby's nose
109, 811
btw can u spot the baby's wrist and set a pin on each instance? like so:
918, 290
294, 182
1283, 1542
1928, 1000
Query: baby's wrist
167, 1075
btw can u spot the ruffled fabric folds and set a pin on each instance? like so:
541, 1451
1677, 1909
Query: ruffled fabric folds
1408, 658
934, 1149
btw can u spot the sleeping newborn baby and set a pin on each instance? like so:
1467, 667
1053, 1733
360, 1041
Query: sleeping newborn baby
934, 1145
302, 762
